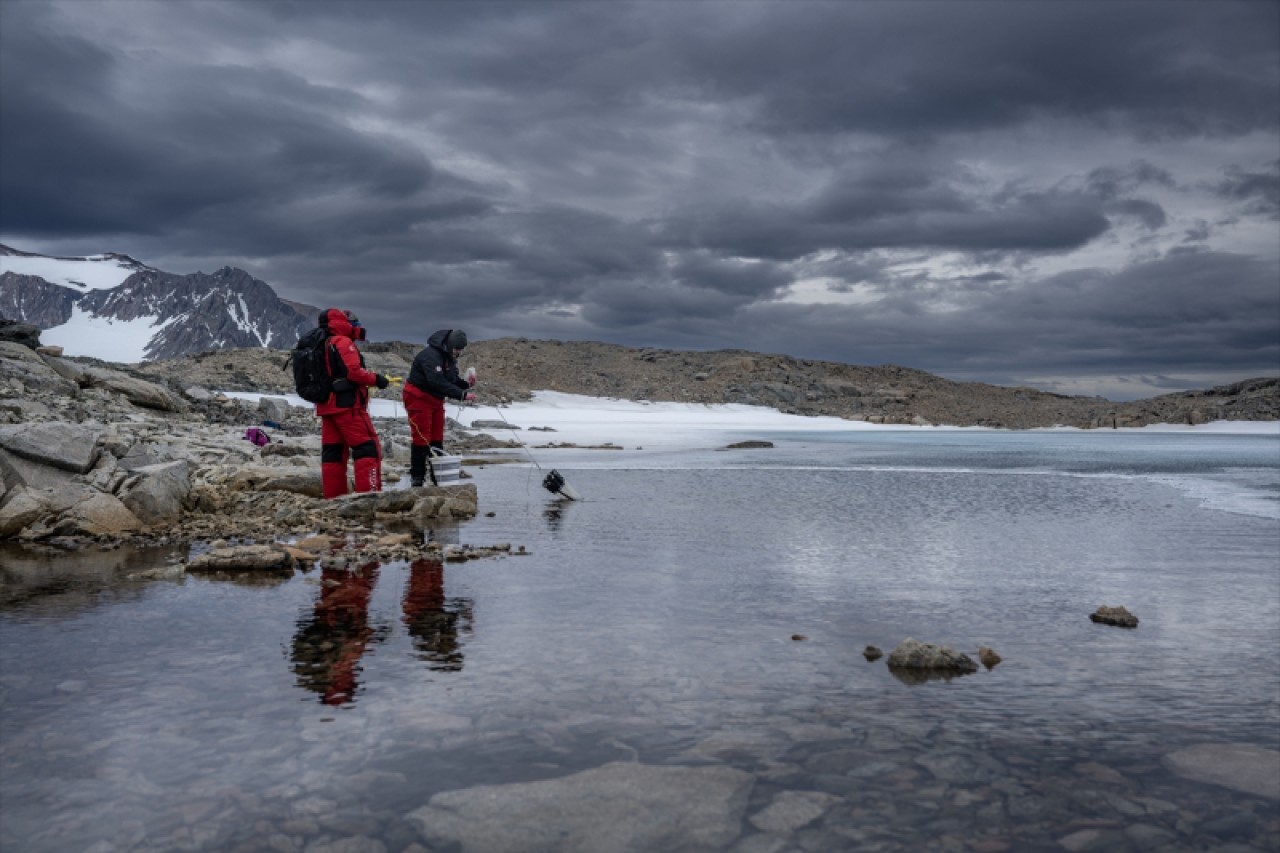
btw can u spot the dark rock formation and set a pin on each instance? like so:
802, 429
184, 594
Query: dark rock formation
19, 333
1117, 616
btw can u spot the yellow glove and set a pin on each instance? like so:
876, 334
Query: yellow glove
395, 380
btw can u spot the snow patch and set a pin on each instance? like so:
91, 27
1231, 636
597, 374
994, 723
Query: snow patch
123, 341
79, 274
580, 419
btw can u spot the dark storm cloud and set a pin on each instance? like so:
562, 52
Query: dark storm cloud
895, 207
229, 152
666, 173
928, 68
1206, 311
1260, 190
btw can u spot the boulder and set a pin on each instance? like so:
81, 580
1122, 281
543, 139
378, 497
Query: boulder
458, 501
140, 455
274, 408
482, 424
97, 514
301, 448
913, 654
148, 395
242, 558
71, 447
21, 334
16, 471
21, 507
24, 365
272, 478
1117, 616
68, 370
619, 806
23, 411
155, 493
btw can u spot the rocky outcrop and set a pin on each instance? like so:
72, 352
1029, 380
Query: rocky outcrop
1117, 616
911, 654
13, 331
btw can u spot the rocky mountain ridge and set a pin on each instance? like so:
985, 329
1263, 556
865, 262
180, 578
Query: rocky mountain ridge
161, 314
512, 368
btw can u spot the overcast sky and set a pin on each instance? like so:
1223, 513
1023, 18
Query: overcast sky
1079, 196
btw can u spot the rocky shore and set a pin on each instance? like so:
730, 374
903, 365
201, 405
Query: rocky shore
98, 455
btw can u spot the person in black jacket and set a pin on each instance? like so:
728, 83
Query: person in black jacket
433, 378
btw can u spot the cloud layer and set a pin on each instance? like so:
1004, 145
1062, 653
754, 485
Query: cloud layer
1081, 196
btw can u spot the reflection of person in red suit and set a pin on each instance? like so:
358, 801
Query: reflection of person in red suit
328, 647
345, 425
432, 621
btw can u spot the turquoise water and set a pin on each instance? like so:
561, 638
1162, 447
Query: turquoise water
655, 621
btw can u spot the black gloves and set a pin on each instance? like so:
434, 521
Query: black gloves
382, 382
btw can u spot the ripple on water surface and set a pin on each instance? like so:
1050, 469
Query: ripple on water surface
654, 622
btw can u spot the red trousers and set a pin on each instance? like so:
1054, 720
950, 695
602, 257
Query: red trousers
349, 433
426, 415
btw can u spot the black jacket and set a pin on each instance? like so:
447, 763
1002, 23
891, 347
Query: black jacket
435, 370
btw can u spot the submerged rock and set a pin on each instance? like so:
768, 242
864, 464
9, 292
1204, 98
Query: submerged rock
1239, 766
988, 657
1117, 616
872, 653
620, 806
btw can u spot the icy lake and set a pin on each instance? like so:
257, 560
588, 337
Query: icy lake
703, 611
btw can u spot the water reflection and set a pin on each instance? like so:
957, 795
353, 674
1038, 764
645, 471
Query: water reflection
924, 676
434, 621
46, 582
333, 637
554, 513
328, 646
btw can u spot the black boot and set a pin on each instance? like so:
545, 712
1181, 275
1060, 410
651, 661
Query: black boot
418, 464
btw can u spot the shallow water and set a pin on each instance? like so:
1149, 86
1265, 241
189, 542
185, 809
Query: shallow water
654, 622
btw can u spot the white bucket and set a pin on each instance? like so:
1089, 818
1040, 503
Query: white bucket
448, 469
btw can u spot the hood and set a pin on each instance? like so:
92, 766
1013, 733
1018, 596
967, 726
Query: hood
438, 339
335, 320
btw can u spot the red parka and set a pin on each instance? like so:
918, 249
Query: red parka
350, 390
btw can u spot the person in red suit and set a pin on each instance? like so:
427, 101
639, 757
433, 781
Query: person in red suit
345, 426
433, 378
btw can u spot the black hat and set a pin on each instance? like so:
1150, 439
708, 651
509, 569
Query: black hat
457, 339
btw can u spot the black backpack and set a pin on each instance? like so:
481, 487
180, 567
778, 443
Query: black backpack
310, 377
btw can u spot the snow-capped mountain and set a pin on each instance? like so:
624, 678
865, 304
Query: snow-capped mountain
116, 308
